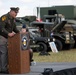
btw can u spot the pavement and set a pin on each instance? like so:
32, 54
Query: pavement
38, 67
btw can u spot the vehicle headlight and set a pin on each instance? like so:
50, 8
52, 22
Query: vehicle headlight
33, 41
67, 36
48, 39
53, 39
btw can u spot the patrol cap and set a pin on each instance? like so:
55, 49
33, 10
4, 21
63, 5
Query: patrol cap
16, 9
24, 26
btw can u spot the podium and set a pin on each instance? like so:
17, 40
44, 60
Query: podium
18, 54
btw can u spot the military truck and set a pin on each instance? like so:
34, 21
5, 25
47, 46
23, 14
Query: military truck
61, 36
37, 42
64, 35
70, 25
44, 27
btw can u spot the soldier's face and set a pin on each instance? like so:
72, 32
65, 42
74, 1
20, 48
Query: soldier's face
14, 14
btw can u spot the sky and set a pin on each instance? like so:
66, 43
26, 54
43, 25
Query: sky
28, 7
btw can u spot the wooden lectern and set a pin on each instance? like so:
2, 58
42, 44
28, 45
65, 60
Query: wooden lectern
18, 54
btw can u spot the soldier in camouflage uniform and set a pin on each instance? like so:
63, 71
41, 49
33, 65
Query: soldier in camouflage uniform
7, 29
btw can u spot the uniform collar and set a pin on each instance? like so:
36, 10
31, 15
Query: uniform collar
9, 16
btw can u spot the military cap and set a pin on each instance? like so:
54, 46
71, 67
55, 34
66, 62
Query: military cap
24, 26
16, 9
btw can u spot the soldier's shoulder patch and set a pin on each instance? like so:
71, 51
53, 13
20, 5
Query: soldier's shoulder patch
3, 18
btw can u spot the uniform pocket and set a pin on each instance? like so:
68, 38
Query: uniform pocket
3, 40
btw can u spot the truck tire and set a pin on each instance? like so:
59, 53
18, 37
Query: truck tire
42, 47
58, 45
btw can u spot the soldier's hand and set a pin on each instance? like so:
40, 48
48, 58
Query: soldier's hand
11, 34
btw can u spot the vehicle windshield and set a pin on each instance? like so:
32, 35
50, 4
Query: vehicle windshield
34, 32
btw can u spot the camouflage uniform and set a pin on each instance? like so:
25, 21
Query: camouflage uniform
7, 25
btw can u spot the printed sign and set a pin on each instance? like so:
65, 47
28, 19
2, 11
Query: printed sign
53, 47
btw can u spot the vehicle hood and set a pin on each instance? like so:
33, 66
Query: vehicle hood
58, 27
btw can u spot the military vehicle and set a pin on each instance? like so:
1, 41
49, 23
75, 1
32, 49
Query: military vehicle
37, 42
70, 25
44, 27
64, 35
61, 36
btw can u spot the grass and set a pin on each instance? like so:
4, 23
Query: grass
61, 56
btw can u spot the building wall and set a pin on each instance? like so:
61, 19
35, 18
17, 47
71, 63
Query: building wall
68, 11
75, 12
